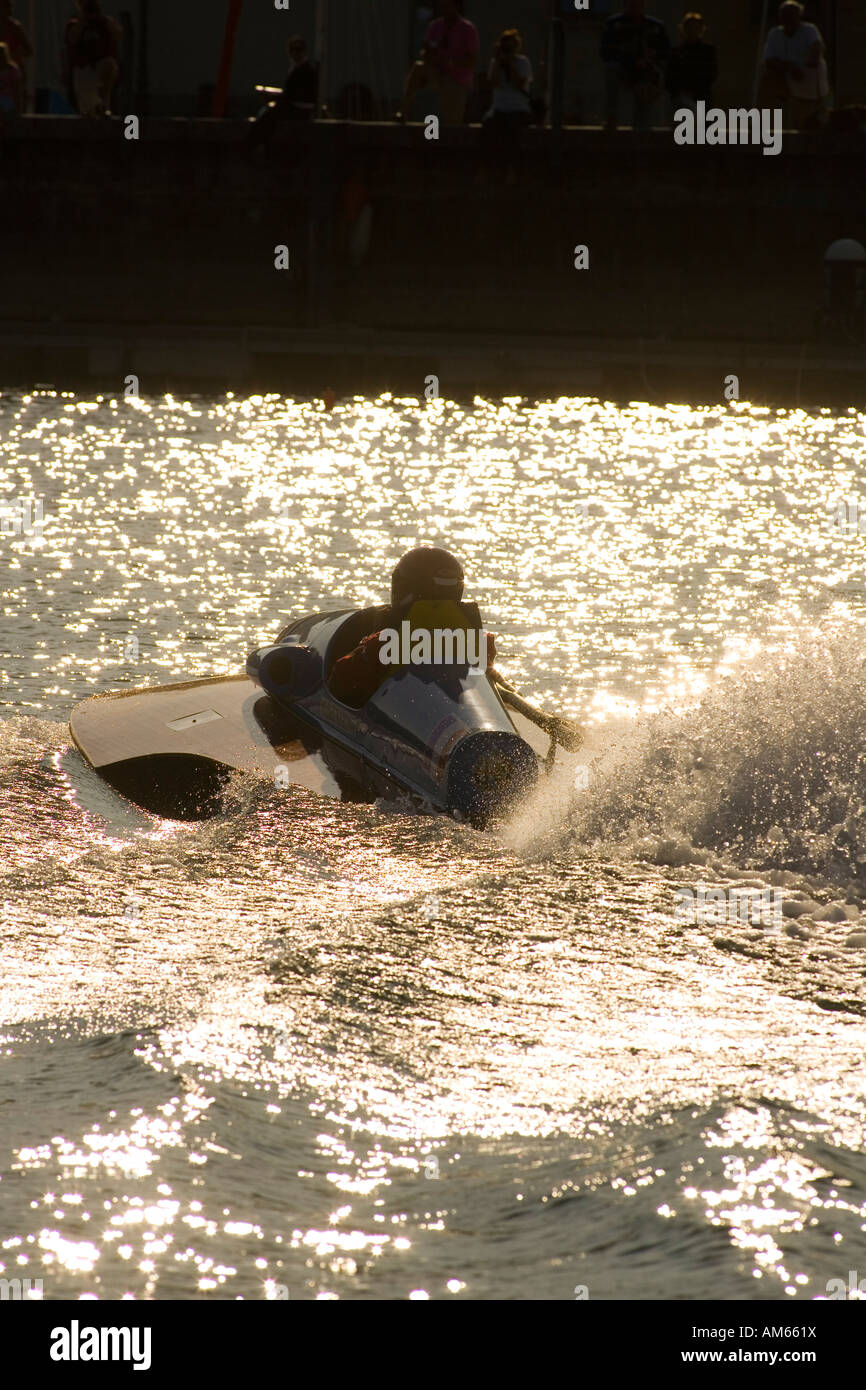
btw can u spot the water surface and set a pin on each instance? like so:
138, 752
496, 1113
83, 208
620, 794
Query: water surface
327, 1051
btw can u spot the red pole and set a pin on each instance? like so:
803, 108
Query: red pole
221, 91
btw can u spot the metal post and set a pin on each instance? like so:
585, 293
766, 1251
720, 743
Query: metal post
30, 97
412, 12
221, 91
557, 71
142, 78
760, 53
322, 57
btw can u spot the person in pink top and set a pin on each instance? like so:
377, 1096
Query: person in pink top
446, 64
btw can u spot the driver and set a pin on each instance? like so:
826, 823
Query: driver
426, 574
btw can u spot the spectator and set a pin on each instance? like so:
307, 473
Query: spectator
510, 75
446, 64
795, 69
634, 50
693, 65
297, 102
298, 98
92, 58
11, 84
14, 35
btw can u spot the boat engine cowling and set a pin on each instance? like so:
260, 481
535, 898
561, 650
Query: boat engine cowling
288, 671
488, 773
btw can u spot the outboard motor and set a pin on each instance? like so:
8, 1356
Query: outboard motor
488, 773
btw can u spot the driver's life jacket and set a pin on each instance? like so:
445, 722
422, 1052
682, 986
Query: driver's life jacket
356, 677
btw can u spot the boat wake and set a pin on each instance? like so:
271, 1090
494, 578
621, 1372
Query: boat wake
768, 771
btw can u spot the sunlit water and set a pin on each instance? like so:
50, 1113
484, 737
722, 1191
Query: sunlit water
327, 1051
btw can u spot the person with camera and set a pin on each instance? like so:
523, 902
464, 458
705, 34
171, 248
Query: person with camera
510, 77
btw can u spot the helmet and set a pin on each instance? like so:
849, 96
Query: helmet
426, 573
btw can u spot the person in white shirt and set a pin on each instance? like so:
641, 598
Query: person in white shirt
510, 77
795, 69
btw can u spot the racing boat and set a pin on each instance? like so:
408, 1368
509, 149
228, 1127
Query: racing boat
452, 738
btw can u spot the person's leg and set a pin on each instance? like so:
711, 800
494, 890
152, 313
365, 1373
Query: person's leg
418, 77
806, 113
512, 134
522, 124
452, 101
489, 138
772, 89
643, 112
86, 89
499, 143
107, 73
683, 101
485, 145
790, 112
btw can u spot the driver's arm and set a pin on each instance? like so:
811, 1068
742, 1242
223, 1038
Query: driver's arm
356, 677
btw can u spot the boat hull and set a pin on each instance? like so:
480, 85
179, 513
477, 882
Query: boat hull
441, 737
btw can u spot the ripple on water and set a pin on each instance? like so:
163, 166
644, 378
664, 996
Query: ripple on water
336, 1051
